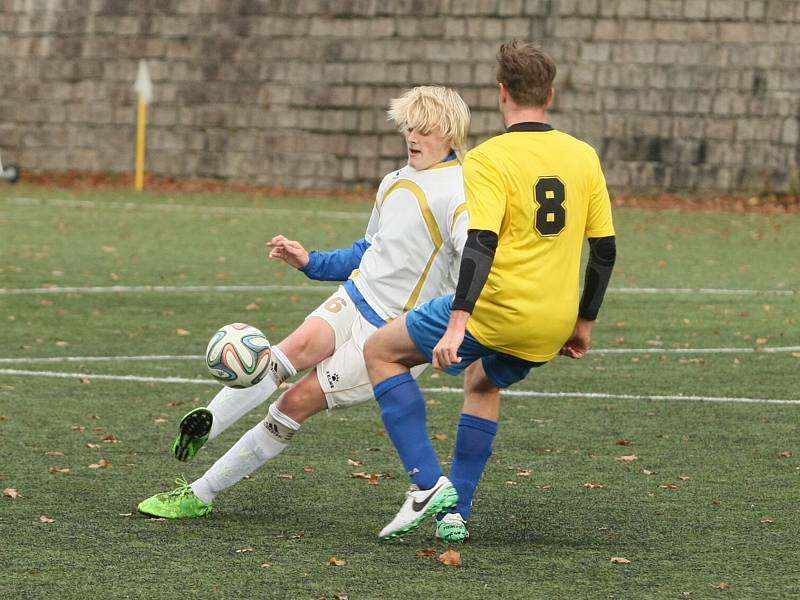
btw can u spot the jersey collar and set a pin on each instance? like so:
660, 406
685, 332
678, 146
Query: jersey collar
529, 126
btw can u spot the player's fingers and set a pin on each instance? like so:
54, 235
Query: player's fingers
276, 240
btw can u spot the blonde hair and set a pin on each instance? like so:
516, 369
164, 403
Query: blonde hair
428, 107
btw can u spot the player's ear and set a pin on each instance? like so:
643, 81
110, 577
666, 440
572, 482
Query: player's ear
550, 96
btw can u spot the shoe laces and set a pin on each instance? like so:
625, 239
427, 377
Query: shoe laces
183, 489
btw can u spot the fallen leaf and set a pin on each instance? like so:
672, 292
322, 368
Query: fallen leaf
509, 482
78, 428
524, 472
90, 445
618, 560
55, 453
786, 454
46, 519
182, 331
125, 514
354, 463
683, 477
266, 565
336, 562
101, 464
721, 586
308, 469
451, 558
177, 403
623, 442
594, 486
11, 493
252, 306
297, 536
628, 458
244, 550
110, 438
85, 380
159, 420
766, 521
63, 470
668, 486
156, 519
285, 476
426, 552
439, 437
761, 341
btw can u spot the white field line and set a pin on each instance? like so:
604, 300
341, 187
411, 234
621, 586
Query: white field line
182, 289
436, 390
128, 289
198, 357
213, 210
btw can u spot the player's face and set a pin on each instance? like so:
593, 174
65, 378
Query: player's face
425, 150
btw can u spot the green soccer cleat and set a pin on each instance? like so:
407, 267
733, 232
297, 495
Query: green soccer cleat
419, 505
452, 528
194, 428
180, 503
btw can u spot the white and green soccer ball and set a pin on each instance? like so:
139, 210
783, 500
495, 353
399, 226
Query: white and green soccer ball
238, 355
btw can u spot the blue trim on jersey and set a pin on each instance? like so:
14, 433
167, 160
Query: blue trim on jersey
426, 325
335, 265
362, 305
451, 156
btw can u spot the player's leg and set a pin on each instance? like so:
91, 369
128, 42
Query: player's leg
388, 354
477, 429
475, 435
258, 446
323, 330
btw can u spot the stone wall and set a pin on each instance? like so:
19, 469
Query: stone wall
676, 95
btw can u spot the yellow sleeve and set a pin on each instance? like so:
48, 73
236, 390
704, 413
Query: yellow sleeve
486, 195
599, 222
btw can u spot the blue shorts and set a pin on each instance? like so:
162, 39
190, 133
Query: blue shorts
426, 325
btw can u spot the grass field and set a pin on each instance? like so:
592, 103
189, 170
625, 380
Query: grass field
673, 445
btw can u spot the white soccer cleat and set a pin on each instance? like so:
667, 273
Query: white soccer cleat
419, 505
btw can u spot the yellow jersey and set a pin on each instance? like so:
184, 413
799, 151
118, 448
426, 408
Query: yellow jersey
542, 192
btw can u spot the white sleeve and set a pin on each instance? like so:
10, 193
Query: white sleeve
373, 225
459, 224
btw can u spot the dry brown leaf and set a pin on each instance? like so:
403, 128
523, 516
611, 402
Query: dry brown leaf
90, 445
628, 458
451, 558
354, 463
285, 476
683, 477
266, 565
721, 586
426, 552
524, 472
509, 482
159, 420
78, 428
245, 550
85, 380
101, 464
308, 469
594, 486
55, 453
668, 486
109, 438
46, 519
252, 306
176, 403
787, 454
336, 562
623, 442
766, 521
439, 437
182, 331
64, 470
11, 493
297, 536
618, 560
648, 472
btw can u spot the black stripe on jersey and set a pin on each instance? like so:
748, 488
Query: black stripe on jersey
529, 126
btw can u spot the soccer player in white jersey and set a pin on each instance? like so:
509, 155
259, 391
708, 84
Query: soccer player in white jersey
410, 254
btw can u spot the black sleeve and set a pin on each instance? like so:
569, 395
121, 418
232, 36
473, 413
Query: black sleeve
602, 255
476, 262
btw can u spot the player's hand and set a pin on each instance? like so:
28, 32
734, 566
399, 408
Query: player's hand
445, 353
580, 341
289, 251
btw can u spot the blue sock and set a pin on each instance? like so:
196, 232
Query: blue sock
473, 448
403, 414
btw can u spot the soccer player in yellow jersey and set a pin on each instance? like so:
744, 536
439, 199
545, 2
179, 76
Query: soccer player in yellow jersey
533, 195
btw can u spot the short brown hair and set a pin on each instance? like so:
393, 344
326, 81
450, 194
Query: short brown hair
526, 71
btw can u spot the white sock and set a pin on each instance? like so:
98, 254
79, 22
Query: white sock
231, 404
261, 444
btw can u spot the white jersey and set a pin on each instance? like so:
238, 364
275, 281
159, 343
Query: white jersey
416, 234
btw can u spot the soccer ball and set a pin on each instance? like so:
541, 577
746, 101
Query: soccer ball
238, 355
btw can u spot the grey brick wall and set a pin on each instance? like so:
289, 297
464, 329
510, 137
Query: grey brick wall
676, 95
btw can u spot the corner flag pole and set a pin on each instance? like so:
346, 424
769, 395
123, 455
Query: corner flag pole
144, 89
